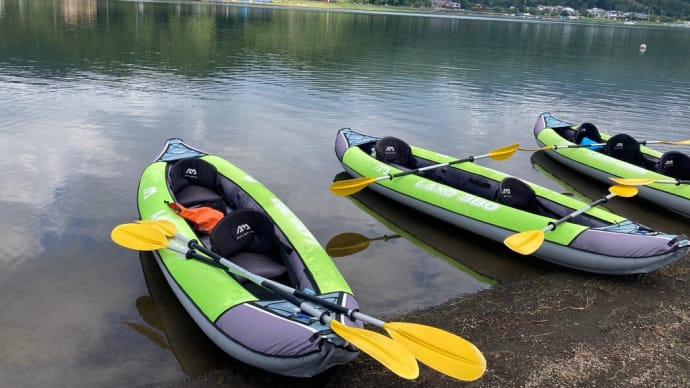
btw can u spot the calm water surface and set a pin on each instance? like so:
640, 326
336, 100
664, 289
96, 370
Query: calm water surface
91, 89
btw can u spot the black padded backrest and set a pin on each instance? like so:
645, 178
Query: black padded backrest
624, 147
194, 182
587, 130
393, 150
675, 164
244, 230
518, 194
193, 171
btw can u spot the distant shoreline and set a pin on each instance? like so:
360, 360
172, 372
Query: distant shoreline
434, 12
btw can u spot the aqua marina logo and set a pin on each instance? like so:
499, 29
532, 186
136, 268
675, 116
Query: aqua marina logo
191, 173
242, 231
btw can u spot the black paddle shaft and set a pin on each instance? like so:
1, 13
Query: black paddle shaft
555, 147
216, 261
325, 303
576, 213
290, 297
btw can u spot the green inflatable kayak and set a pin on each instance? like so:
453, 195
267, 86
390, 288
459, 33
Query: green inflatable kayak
528, 218
257, 232
662, 178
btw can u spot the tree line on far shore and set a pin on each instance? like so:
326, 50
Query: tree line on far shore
665, 10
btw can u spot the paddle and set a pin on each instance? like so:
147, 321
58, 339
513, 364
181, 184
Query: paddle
349, 243
677, 142
643, 142
646, 181
529, 241
438, 349
351, 186
391, 354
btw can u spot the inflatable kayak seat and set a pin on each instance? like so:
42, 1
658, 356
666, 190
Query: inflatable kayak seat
587, 130
247, 238
465, 181
515, 193
395, 151
624, 147
675, 164
195, 183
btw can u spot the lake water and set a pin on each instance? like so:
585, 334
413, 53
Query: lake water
91, 89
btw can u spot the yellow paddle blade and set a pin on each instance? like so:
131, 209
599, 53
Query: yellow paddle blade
623, 191
166, 226
139, 237
440, 350
346, 244
351, 186
389, 353
525, 243
503, 153
633, 181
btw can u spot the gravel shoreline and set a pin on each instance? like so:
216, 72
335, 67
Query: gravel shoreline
561, 329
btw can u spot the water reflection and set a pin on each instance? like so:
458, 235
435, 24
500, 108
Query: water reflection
79, 12
349, 243
168, 325
153, 329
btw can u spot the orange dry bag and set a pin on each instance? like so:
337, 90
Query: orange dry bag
203, 218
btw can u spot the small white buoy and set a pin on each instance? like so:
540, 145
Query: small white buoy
643, 47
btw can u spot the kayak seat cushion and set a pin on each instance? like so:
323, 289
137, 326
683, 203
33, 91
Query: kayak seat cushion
194, 183
247, 238
395, 151
470, 183
675, 164
462, 180
587, 130
624, 147
515, 193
